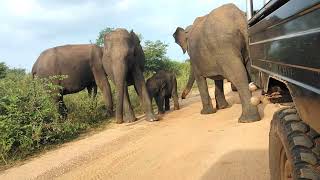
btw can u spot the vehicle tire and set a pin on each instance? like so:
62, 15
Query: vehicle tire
294, 148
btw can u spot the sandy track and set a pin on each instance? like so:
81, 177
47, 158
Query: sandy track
183, 145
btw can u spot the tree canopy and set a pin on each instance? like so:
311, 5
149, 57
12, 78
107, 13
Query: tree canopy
100, 38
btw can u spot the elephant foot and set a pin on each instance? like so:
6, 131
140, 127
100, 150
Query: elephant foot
208, 110
161, 112
152, 118
250, 117
119, 121
184, 94
130, 119
176, 108
223, 105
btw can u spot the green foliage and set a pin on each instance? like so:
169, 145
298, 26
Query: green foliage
17, 71
3, 70
85, 109
100, 38
183, 75
155, 54
29, 119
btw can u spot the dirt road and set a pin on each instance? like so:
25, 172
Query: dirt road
183, 145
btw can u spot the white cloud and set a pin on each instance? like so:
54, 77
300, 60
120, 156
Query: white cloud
21, 8
32, 10
124, 5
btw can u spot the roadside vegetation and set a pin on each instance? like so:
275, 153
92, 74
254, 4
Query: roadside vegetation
29, 119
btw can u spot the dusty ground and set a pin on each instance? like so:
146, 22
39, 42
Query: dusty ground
183, 145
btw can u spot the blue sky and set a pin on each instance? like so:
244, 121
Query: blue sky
30, 26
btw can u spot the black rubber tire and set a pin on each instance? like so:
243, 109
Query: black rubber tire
300, 143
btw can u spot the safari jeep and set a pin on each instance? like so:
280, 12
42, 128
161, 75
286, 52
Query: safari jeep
284, 45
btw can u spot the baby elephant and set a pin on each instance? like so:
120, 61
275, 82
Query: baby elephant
162, 86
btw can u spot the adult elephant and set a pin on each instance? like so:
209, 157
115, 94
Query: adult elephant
123, 61
83, 67
218, 48
162, 86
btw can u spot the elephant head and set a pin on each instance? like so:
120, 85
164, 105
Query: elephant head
180, 37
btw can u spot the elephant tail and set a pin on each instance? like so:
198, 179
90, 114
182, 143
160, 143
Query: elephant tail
189, 84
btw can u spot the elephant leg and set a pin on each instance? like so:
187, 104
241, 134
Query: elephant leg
89, 88
95, 91
167, 103
63, 110
104, 85
221, 102
143, 93
160, 100
207, 107
240, 80
129, 115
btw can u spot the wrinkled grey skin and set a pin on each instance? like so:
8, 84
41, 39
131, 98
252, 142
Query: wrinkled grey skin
162, 86
221, 102
123, 61
83, 67
218, 47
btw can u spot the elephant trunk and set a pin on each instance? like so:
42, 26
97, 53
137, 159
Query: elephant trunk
120, 81
189, 84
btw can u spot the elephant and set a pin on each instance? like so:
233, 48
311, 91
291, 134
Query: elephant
83, 67
162, 86
123, 61
217, 44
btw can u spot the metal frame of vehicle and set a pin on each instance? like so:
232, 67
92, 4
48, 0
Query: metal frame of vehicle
284, 43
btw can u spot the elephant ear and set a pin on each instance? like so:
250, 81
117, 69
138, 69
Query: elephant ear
180, 37
138, 51
134, 37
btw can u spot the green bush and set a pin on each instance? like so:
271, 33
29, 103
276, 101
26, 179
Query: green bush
29, 119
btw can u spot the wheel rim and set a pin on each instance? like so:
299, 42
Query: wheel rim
285, 166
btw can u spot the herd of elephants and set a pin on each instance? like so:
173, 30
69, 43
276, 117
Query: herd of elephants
216, 43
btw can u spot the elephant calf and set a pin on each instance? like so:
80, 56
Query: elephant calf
162, 86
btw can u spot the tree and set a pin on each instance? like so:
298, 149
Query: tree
155, 53
3, 70
100, 38
16, 71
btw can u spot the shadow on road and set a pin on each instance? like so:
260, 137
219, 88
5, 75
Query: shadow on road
240, 165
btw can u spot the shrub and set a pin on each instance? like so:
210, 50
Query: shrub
29, 119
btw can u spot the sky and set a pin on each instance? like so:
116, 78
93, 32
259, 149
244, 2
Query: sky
27, 27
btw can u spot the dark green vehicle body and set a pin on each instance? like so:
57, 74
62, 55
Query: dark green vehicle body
284, 45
